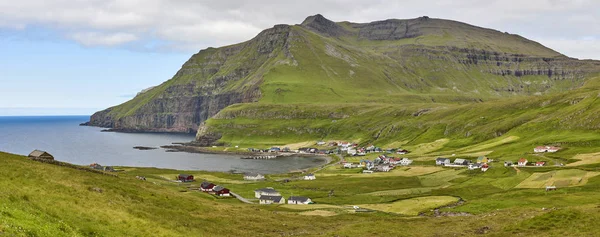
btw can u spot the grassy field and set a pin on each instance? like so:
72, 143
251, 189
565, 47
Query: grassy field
413, 206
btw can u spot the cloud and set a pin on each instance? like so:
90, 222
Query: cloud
103, 39
190, 25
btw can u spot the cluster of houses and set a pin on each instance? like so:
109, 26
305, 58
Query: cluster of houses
334, 147
524, 162
481, 163
260, 177
272, 196
379, 164
214, 189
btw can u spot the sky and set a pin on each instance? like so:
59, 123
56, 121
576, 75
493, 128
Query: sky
75, 57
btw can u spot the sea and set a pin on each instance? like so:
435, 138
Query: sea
62, 137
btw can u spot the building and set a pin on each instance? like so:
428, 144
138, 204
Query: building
266, 192
485, 167
522, 162
482, 159
310, 177
474, 166
508, 163
383, 168
405, 161
540, 163
299, 200
461, 162
221, 191
206, 186
185, 177
266, 199
37, 154
550, 188
442, 161
540, 149
97, 166
401, 152
253, 176
552, 149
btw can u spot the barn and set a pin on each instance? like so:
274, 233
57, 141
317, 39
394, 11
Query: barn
37, 154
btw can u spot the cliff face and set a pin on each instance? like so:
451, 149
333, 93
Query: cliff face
421, 60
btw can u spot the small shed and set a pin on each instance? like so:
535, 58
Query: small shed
253, 176
185, 177
310, 177
37, 154
550, 188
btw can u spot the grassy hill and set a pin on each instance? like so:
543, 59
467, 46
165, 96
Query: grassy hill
421, 62
39, 199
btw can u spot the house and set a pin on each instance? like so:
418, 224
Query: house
221, 191
37, 154
320, 143
442, 161
367, 171
253, 176
275, 149
540, 163
185, 177
522, 162
266, 199
482, 159
405, 161
401, 152
485, 167
474, 166
266, 192
286, 149
540, 149
508, 163
550, 188
299, 200
383, 168
552, 149
347, 165
206, 186
97, 166
310, 177
461, 162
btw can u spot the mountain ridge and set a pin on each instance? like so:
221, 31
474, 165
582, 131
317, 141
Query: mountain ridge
421, 60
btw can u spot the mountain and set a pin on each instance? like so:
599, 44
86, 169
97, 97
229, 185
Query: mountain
338, 80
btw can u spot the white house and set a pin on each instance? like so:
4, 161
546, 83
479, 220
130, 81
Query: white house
299, 200
351, 151
508, 163
540, 163
266, 192
553, 149
442, 161
266, 199
253, 176
383, 168
405, 161
474, 166
348, 165
485, 167
310, 177
461, 162
540, 149
367, 171
522, 162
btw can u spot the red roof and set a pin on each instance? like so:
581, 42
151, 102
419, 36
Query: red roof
485, 166
522, 160
540, 163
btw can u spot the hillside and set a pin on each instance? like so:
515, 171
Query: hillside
39, 199
323, 67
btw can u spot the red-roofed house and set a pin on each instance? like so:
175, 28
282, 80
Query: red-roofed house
522, 162
540, 163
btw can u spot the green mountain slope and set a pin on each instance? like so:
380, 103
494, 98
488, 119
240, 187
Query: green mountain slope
323, 66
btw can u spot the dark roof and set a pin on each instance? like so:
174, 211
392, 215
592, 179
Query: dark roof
273, 198
38, 153
266, 190
441, 159
219, 188
298, 199
310, 175
207, 184
185, 175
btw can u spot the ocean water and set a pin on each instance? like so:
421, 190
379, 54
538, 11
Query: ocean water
62, 137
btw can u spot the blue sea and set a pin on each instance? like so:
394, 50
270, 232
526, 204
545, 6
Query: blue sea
62, 137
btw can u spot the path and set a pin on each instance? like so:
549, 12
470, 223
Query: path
325, 166
241, 198
517, 169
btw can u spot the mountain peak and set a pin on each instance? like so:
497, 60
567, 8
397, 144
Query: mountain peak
318, 23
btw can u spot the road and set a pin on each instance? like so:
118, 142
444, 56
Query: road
241, 198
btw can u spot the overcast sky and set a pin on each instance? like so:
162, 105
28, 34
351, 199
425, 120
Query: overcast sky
76, 55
